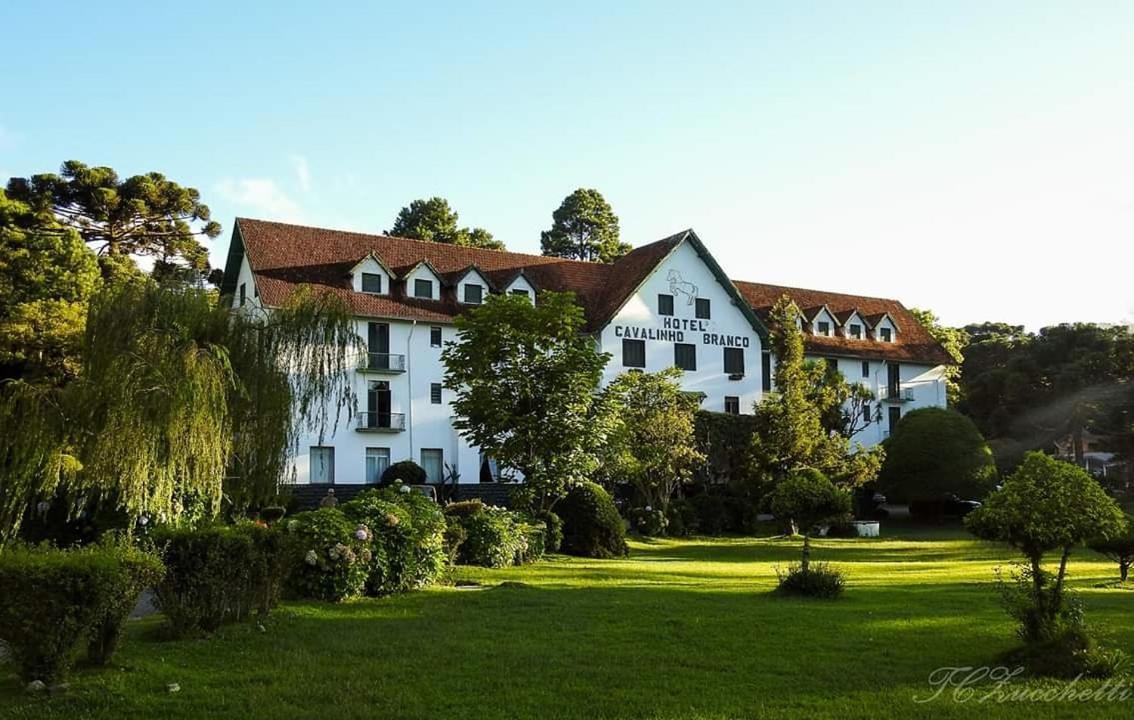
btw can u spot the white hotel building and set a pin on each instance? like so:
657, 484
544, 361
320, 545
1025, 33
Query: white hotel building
664, 304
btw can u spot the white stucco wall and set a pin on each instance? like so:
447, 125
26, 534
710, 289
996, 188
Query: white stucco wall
370, 266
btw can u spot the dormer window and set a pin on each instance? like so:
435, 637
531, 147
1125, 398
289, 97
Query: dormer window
855, 331
886, 334
474, 294
522, 293
824, 327
423, 289
372, 283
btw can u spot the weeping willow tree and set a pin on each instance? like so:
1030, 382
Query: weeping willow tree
178, 405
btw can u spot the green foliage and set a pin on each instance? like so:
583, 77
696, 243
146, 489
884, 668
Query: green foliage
524, 378
330, 561
435, 221
935, 451
218, 574
650, 439
584, 227
47, 275
406, 472
53, 597
820, 580
592, 526
406, 541
954, 340
1119, 548
553, 535
464, 508
808, 498
495, 538
141, 215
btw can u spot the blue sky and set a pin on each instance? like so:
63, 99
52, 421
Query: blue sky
974, 158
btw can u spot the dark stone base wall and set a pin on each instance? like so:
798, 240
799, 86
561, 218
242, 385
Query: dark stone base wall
307, 497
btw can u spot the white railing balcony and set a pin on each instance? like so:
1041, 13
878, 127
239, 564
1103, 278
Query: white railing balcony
382, 363
380, 422
897, 395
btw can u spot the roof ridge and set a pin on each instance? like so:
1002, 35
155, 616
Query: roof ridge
822, 292
545, 259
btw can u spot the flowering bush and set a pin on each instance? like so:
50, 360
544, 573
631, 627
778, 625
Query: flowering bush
406, 543
335, 561
495, 538
648, 521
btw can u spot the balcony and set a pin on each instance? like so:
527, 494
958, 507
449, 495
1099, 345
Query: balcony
372, 422
897, 394
382, 363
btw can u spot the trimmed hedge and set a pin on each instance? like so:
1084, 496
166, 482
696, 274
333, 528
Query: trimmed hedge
53, 597
494, 539
218, 574
592, 526
406, 472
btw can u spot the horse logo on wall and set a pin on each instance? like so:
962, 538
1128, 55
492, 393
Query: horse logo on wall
677, 286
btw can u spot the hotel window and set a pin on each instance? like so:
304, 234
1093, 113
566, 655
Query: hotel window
824, 327
474, 294
766, 371
633, 353
866, 413
665, 304
523, 293
377, 460
856, 331
433, 462
423, 289
734, 361
866, 368
489, 470
371, 283
703, 309
685, 356
322, 461
435, 336
732, 405
887, 336
832, 365
435, 393
243, 293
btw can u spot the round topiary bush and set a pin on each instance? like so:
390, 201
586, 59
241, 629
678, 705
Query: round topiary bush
933, 452
592, 526
406, 472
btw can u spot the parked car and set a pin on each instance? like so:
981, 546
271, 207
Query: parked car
954, 506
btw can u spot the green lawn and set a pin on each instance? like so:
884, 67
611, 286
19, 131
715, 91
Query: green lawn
681, 629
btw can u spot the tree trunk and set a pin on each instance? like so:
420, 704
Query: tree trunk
1124, 570
806, 562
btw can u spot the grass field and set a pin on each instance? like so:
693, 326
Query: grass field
681, 629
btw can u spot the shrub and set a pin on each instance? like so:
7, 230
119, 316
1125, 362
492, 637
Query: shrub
932, 452
681, 517
218, 574
406, 472
819, 580
808, 498
648, 521
553, 536
330, 560
842, 528
455, 536
535, 542
407, 549
464, 508
494, 539
714, 514
52, 597
1119, 548
592, 526
428, 538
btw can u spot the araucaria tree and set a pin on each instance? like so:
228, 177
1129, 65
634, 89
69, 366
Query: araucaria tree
525, 380
174, 394
143, 215
434, 220
584, 227
650, 435
1047, 506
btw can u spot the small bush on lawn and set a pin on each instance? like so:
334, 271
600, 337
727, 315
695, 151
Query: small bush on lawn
1119, 548
495, 538
455, 536
218, 574
428, 538
406, 472
553, 535
819, 580
682, 516
331, 555
648, 521
534, 546
52, 597
407, 549
592, 526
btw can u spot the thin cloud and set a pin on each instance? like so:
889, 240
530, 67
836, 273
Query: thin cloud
260, 197
302, 172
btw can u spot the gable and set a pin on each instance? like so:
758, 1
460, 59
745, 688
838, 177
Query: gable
370, 265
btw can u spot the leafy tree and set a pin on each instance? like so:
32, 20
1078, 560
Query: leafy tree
584, 227
934, 451
525, 378
806, 499
954, 341
174, 395
143, 215
650, 442
1119, 548
435, 221
46, 280
1046, 505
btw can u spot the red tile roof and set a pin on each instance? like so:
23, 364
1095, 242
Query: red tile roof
285, 256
